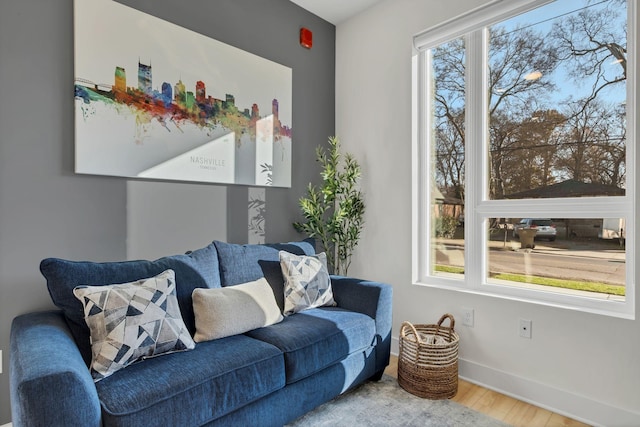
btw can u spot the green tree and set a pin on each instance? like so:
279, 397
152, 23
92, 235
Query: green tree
334, 212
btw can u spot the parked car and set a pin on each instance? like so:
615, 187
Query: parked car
546, 229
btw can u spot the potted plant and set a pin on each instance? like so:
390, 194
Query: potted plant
334, 212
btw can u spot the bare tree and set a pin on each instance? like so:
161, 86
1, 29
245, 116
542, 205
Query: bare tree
593, 149
449, 117
536, 138
514, 55
532, 157
590, 42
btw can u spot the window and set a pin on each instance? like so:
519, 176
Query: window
525, 163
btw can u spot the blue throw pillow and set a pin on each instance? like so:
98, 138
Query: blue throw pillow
198, 269
247, 263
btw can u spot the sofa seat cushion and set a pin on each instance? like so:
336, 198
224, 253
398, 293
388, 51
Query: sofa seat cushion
317, 338
192, 388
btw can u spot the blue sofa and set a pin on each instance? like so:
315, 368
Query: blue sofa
266, 377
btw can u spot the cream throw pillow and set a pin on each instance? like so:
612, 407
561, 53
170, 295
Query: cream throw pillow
233, 310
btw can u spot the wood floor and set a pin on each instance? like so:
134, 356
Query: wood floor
499, 406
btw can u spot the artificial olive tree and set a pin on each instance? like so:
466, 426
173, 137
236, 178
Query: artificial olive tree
334, 212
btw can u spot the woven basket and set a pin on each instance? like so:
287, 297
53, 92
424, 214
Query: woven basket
428, 360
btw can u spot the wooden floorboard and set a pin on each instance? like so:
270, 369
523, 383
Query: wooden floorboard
504, 408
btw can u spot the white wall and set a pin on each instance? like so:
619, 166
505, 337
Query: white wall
583, 365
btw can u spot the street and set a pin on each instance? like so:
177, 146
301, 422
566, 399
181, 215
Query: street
560, 266
590, 261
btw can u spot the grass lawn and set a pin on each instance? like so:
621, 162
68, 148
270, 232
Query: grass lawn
602, 288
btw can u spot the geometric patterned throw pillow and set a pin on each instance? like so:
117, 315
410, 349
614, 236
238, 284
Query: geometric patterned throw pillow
132, 321
306, 282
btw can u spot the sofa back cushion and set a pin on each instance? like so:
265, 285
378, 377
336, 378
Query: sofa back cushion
198, 269
246, 263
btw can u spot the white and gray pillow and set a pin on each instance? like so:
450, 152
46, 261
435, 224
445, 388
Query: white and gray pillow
132, 321
306, 282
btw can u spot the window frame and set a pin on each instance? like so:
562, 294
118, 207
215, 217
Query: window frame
473, 26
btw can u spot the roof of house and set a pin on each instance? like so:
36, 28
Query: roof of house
569, 188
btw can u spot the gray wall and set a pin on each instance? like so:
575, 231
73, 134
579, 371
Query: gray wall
47, 210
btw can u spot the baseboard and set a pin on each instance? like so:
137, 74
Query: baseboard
562, 402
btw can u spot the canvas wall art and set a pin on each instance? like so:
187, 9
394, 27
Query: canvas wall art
157, 101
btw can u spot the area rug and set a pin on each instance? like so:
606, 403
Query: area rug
385, 403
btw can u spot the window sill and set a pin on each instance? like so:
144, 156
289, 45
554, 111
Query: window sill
565, 299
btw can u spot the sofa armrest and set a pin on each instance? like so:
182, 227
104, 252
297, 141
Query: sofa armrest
374, 299
49, 381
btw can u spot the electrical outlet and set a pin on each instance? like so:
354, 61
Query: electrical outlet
525, 328
467, 317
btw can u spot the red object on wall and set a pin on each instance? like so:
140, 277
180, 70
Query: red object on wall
306, 38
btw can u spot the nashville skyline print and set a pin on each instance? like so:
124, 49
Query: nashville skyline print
176, 105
